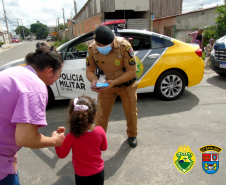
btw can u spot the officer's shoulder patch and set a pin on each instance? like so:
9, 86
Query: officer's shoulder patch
87, 62
132, 61
129, 49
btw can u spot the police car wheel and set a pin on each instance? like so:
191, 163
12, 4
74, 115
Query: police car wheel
221, 74
170, 85
51, 98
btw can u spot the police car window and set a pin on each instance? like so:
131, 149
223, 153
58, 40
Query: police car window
157, 42
78, 50
135, 42
138, 41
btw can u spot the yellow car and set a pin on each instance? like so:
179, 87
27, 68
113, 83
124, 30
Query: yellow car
164, 65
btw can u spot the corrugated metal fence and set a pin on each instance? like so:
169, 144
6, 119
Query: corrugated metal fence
141, 24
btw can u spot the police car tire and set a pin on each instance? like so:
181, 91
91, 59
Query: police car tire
51, 98
221, 74
158, 91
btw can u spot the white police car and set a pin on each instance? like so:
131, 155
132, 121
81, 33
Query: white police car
164, 65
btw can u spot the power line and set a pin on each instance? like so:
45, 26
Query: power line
11, 22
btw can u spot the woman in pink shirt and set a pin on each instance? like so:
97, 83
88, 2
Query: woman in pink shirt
197, 37
86, 142
23, 100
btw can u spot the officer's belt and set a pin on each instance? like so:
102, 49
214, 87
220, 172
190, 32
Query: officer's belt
112, 76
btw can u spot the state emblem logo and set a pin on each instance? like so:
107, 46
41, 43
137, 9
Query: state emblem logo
210, 160
184, 159
140, 67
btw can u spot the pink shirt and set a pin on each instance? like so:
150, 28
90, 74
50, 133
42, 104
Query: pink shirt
23, 99
86, 151
194, 35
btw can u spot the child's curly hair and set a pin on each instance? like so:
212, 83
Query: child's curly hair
79, 120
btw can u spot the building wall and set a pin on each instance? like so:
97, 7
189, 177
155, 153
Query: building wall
160, 8
1, 38
163, 8
198, 19
90, 9
141, 5
159, 25
0, 26
85, 26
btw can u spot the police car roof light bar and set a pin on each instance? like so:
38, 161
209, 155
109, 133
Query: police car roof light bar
122, 21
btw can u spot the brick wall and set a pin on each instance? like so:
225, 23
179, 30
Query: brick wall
85, 26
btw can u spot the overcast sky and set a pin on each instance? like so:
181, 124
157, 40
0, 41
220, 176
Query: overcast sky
47, 11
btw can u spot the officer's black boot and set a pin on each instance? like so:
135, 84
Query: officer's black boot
132, 141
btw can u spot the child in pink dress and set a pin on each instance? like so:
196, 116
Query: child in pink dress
86, 142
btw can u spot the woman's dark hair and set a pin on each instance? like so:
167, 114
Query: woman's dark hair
44, 57
38, 45
79, 120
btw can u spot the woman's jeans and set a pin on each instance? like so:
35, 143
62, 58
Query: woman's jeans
11, 179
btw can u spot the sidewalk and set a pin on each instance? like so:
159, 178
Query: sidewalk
5, 47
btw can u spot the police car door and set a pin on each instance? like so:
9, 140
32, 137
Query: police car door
73, 82
148, 57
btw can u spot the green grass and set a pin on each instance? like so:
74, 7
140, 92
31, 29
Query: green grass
59, 43
203, 55
81, 47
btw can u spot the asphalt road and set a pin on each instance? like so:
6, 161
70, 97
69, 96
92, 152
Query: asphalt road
17, 51
196, 119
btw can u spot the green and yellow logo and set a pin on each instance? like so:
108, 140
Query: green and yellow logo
140, 67
117, 62
184, 159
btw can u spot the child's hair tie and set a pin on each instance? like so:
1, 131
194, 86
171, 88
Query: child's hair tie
79, 107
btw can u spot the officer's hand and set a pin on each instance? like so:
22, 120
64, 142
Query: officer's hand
93, 84
111, 83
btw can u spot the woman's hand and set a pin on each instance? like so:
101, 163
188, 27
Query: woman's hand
27, 135
15, 164
59, 138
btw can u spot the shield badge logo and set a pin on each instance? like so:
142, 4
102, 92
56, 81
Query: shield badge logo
184, 159
210, 161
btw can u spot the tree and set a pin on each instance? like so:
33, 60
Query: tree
62, 26
40, 30
221, 20
25, 33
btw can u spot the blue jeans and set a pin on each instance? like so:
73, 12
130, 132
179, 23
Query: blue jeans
11, 179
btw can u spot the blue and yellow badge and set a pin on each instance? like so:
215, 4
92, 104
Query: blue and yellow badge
184, 159
210, 160
129, 49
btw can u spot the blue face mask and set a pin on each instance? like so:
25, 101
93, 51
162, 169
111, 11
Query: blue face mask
104, 50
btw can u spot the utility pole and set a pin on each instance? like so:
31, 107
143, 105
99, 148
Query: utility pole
18, 25
64, 18
75, 4
58, 24
22, 27
6, 23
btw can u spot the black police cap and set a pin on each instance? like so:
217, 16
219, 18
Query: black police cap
104, 35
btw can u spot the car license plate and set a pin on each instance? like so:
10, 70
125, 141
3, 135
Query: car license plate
222, 65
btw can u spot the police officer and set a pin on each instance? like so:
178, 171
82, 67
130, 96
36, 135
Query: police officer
114, 57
